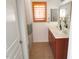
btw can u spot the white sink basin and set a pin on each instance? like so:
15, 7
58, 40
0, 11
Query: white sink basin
56, 31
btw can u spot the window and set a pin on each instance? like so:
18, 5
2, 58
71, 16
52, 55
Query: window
39, 11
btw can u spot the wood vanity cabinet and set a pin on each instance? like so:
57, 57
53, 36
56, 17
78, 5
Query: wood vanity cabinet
59, 46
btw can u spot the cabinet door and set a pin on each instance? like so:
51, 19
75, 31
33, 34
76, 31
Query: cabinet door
53, 44
61, 48
50, 41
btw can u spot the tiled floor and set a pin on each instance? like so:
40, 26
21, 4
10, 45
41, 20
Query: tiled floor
41, 51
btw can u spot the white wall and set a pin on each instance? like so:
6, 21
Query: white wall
40, 32
52, 4
28, 9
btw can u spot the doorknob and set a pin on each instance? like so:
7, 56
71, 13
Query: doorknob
20, 41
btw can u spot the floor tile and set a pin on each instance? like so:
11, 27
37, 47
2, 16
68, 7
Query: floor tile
41, 51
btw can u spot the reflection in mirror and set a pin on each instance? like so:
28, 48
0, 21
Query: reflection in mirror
54, 15
65, 16
62, 13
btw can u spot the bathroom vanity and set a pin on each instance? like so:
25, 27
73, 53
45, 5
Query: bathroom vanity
58, 32
58, 41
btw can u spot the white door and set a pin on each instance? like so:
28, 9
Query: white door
13, 47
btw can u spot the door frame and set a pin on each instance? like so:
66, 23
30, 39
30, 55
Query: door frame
23, 27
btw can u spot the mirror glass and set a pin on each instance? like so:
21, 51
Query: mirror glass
65, 16
62, 13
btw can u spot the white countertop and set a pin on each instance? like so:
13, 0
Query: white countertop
56, 32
